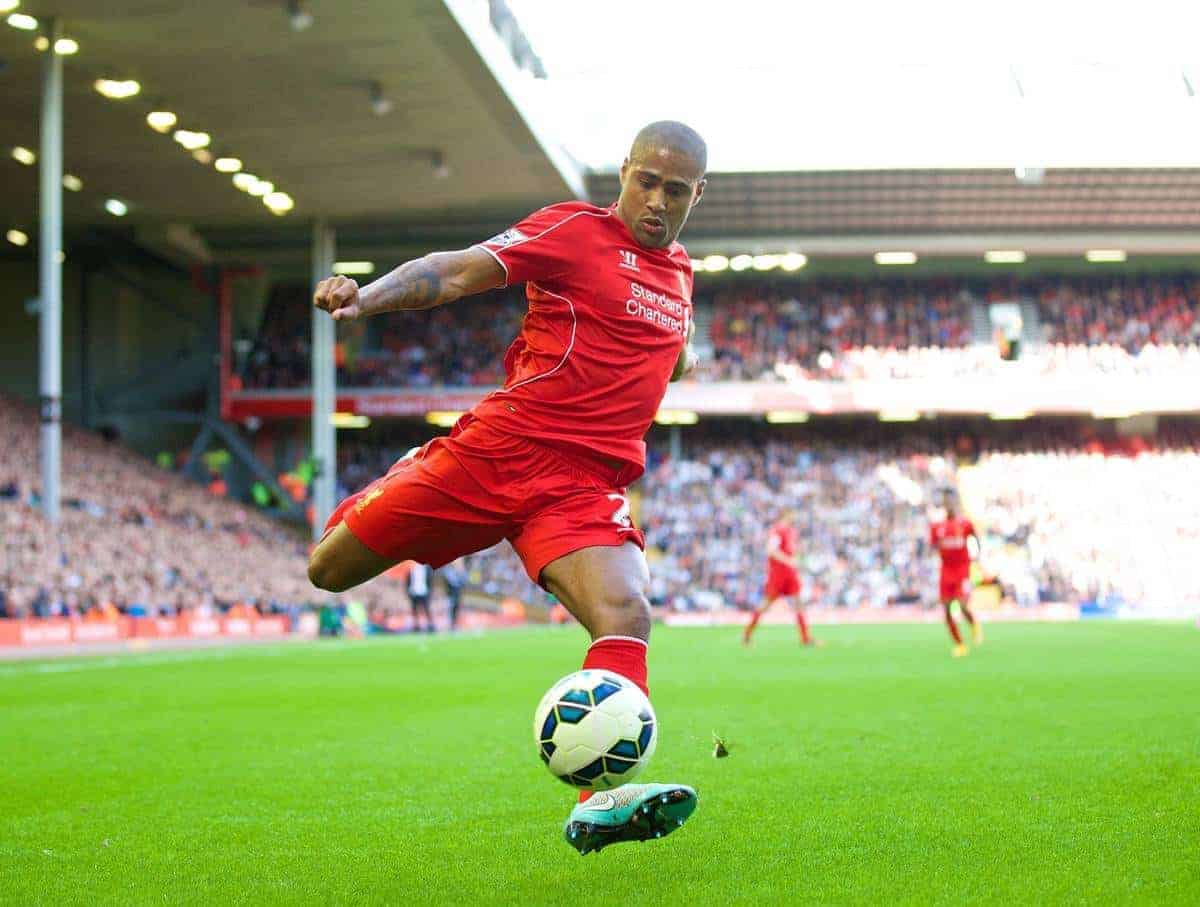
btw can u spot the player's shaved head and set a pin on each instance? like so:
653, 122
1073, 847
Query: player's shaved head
674, 136
661, 181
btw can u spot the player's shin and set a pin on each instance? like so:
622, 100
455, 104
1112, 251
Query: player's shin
951, 625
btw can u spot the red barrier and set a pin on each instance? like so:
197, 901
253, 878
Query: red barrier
63, 631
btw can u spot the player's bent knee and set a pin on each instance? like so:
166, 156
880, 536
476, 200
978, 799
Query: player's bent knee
624, 615
323, 573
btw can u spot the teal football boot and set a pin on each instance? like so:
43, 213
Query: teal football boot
631, 812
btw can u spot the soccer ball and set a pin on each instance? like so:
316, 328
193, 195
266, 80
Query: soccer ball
595, 729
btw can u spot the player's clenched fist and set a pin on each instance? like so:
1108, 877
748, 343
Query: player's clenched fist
339, 297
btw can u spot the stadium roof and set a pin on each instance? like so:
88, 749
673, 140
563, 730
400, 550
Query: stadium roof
295, 106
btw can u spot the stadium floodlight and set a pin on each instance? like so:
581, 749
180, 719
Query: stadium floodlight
1004, 257
279, 202
895, 258
715, 263
741, 262
17, 237
65, 47
226, 164
116, 207
192, 140
354, 267
443, 418
72, 183
349, 420
697, 265
245, 181
1105, 255
766, 262
899, 415
261, 188
117, 89
202, 156
792, 261
1010, 415
23, 155
22, 21
161, 120
786, 416
676, 417
7, 6
41, 44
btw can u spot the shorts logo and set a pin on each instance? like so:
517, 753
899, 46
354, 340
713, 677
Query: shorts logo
507, 238
367, 499
628, 260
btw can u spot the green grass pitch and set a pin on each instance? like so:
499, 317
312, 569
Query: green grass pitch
1057, 764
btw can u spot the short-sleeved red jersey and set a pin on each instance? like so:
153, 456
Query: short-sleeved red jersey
606, 323
949, 537
786, 539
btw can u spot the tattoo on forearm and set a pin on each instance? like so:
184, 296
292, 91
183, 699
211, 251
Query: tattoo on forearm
416, 285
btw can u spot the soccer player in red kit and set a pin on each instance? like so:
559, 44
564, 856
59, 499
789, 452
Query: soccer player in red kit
783, 576
949, 538
544, 462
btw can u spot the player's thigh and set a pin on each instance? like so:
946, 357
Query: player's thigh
340, 561
425, 509
604, 588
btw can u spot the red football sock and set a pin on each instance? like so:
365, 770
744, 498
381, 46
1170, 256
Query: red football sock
952, 625
624, 655
803, 625
750, 626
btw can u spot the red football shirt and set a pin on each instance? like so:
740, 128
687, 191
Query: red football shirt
949, 537
785, 538
606, 323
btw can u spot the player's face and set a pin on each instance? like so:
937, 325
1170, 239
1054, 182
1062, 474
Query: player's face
659, 188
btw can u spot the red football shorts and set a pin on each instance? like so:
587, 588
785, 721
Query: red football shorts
781, 583
954, 585
467, 491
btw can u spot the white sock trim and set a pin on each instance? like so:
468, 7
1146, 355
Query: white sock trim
626, 638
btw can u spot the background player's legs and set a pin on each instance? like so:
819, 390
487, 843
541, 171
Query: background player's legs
754, 619
340, 561
420, 608
604, 588
969, 615
959, 648
801, 622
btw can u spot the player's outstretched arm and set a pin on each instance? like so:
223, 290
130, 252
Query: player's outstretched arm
688, 360
432, 280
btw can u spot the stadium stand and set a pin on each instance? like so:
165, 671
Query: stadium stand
133, 539
767, 330
865, 515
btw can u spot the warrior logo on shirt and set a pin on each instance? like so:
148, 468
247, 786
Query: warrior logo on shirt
367, 499
507, 238
628, 260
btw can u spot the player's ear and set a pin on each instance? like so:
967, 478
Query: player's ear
624, 170
699, 192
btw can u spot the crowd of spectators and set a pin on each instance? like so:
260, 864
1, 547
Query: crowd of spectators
134, 539
773, 330
1126, 312
757, 326
1047, 534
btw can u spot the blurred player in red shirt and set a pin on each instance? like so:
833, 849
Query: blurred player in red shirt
949, 538
783, 576
544, 461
